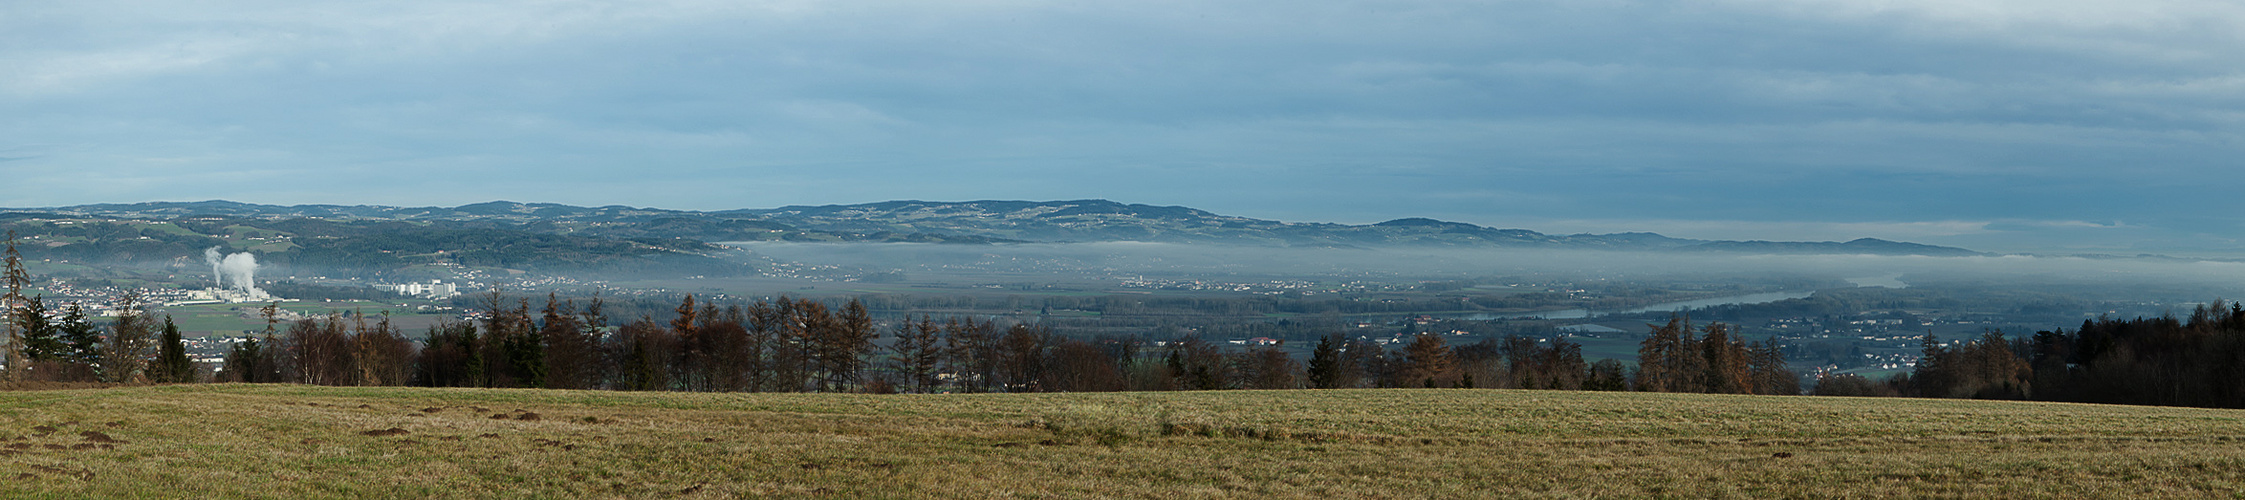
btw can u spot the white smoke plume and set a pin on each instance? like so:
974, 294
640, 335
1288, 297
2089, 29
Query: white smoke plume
240, 268
217, 262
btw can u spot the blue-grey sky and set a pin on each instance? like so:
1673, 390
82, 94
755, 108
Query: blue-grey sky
2007, 125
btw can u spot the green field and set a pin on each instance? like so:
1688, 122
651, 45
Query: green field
296, 441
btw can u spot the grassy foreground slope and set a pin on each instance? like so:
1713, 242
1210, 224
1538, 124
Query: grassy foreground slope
297, 441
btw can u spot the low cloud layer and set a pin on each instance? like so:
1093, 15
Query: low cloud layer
2199, 279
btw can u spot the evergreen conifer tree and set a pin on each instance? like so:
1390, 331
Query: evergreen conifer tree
525, 351
241, 361
171, 360
80, 336
41, 341
1325, 363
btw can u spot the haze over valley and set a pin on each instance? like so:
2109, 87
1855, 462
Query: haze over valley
1154, 249
1096, 268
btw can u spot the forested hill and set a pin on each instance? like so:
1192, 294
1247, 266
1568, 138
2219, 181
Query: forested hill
362, 248
979, 222
1102, 220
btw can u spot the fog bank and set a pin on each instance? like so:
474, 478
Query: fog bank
1448, 263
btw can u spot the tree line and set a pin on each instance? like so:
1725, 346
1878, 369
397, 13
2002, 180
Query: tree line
1674, 359
801, 345
806, 345
782, 345
72, 348
786, 345
2166, 361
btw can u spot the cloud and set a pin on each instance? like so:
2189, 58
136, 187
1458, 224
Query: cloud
1124, 260
1778, 230
2029, 225
1759, 112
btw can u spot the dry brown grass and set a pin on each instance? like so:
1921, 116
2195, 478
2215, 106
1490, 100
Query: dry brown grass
294, 441
53, 386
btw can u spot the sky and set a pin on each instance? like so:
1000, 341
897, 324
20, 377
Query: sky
1998, 125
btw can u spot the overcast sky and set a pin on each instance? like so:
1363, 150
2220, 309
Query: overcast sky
2029, 125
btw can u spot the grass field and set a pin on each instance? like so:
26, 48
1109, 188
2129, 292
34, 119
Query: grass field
295, 441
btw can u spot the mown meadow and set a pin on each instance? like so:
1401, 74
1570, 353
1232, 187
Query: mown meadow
288, 441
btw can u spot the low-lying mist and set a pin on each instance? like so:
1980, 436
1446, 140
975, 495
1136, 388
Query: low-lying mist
1181, 260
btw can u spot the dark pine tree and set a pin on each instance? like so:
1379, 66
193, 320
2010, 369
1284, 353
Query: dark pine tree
1325, 363
172, 365
241, 362
1607, 375
80, 334
41, 341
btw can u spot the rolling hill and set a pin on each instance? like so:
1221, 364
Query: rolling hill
979, 222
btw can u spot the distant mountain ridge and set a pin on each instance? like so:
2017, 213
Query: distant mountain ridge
495, 210
990, 221
1103, 220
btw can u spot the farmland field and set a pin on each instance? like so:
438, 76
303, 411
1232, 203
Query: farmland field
285, 441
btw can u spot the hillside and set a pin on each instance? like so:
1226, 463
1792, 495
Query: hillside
300, 441
981, 222
360, 247
1102, 220
370, 242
